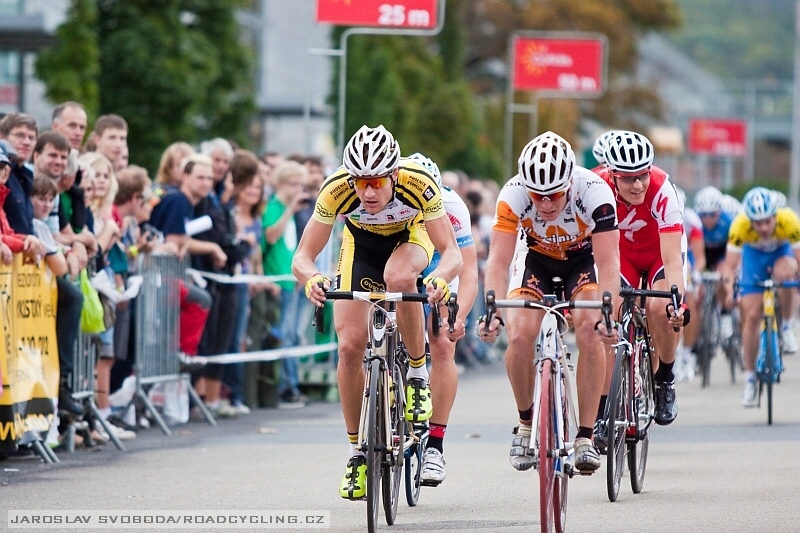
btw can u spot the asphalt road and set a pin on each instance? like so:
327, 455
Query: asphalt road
719, 467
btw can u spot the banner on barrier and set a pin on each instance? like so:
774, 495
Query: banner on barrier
28, 352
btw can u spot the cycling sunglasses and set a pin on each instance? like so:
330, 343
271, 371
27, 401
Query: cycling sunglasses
628, 179
376, 183
551, 197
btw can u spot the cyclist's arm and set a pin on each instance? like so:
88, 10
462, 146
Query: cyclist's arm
605, 248
467, 282
441, 234
671, 257
501, 253
314, 239
698, 247
730, 266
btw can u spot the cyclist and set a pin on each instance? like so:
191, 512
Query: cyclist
394, 219
553, 218
444, 374
651, 241
764, 240
685, 360
731, 205
599, 149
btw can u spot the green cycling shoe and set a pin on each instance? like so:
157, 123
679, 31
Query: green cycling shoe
354, 484
419, 406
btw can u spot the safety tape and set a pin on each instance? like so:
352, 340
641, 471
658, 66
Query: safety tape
263, 355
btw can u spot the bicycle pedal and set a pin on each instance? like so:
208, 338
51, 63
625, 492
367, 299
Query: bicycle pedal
430, 483
586, 472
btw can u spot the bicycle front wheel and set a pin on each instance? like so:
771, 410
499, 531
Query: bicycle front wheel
550, 504
644, 408
772, 347
374, 445
393, 467
617, 422
413, 471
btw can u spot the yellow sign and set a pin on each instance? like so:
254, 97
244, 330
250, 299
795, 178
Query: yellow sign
28, 350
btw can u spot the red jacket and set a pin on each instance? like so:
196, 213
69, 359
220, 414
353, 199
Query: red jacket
13, 240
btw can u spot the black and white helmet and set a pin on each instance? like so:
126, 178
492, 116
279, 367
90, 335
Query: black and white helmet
428, 164
371, 152
628, 151
546, 164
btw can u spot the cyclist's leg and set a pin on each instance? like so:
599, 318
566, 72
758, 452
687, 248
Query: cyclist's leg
591, 370
530, 280
785, 269
665, 342
755, 267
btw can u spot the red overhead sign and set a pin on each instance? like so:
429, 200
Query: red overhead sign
382, 13
724, 138
559, 65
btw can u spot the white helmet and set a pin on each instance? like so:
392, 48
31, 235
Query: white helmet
628, 151
546, 164
428, 164
708, 200
371, 152
780, 198
759, 203
730, 205
599, 147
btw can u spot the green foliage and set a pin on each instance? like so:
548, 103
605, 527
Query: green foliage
70, 70
175, 69
776, 184
740, 38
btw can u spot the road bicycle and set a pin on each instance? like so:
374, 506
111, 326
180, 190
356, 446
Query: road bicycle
630, 408
384, 435
769, 362
732, 346
709, 338
555, 405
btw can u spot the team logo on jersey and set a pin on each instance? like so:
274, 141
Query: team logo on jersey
428, 193
390, 217
323, 212
435, 207
630, 226
532, 282
454, 222
404, 211
583, 279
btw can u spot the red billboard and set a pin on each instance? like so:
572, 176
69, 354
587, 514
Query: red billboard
382, 13
559, 65
722, 138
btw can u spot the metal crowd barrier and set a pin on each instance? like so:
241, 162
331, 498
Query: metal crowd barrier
83, 382
157, 331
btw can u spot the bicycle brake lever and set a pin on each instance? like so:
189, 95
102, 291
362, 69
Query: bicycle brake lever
491, 308
674, 296
452, 311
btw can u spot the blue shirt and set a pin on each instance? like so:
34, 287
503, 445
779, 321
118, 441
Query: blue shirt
171, 213
717, 237
18, 206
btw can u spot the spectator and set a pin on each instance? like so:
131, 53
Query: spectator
280, 233
13, 242
20, 132
268, 163
221, 152
170, 171
110, 138
170, 217
69, 119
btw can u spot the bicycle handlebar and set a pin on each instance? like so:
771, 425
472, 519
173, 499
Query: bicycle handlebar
550, 303
672, 294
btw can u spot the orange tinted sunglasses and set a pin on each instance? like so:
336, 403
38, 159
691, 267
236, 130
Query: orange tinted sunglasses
630, 179
375, 183
551, 197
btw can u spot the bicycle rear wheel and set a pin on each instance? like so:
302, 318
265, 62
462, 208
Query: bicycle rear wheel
374, 445
771, 349
393, 467
561, 483
644, 408
617, 422
413, 468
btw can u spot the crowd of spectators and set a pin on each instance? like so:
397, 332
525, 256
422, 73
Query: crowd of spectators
71, 198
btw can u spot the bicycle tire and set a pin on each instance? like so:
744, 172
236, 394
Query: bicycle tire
374, 445
643, 410
545, 440
413, 471
617, 422
560, 490
709, 336
392, 474
770, 367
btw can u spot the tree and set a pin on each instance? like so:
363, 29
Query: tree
174, 69
70, 70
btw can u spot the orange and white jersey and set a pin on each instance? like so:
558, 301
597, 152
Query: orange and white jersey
589, 209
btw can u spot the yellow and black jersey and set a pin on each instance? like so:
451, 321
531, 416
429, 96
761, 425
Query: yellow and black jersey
416, 198
787, 229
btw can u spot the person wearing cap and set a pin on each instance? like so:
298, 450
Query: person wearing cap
395, 218
553, 219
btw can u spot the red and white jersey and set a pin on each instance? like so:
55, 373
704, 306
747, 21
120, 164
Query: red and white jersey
589, 209
640, 225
